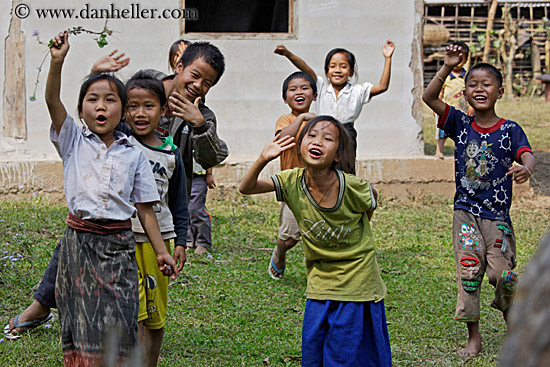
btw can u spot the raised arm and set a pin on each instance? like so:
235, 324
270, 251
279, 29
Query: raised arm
250, 183
110, 63
453, 56
58, 51
296, 61
294, 127
384, 83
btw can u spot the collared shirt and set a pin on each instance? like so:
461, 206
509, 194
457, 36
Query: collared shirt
349, 103
100, 182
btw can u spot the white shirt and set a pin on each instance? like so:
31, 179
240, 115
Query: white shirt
347, 107
100, 182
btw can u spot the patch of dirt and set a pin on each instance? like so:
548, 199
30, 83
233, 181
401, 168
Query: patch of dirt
540, 182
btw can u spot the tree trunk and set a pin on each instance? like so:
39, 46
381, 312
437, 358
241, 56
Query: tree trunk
490, 21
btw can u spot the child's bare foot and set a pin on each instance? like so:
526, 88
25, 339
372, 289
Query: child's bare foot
472, 349
474, 341
439, 155
201, 250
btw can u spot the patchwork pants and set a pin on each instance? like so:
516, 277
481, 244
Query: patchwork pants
479, 246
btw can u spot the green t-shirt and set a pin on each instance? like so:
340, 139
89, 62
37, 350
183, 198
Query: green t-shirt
338, 242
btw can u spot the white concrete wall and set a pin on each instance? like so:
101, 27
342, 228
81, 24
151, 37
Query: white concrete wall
247, 100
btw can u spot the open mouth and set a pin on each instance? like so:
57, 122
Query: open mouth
141, 125
315, 153
300, 100
480, 98
101, 119
192, 93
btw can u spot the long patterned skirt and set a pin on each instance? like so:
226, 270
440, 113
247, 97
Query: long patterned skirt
97, 294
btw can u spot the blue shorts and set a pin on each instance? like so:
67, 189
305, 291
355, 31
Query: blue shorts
342, 334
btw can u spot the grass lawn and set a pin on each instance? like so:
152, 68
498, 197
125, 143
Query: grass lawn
226, 311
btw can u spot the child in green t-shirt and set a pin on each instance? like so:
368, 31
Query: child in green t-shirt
344, 319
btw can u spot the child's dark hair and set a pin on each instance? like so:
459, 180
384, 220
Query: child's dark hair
345, 152
464, 48
349, 56
96, 77
490, 68
143, 79
173, 52
209, 53
299, 75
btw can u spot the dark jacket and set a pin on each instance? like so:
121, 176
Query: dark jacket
202, 142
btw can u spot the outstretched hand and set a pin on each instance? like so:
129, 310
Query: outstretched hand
275, 147
453, 55
111, 62
281, 50
388, 48
185, 109
60, 46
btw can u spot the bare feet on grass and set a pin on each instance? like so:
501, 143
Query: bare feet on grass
474, 341
201, 250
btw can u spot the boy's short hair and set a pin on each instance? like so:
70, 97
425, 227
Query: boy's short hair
299, 75
96, 77
143, 79
465, 49
485, 66
209, 53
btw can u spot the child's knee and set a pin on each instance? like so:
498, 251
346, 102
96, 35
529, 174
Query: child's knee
470, 271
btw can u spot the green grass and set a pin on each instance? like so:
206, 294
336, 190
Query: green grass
226, 311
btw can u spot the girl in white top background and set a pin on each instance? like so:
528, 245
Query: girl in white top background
337, 96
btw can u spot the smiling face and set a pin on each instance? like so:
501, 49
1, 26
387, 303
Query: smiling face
195, 80
299, 95
144, 111
102, 109
319, 147
482, 90
339, 70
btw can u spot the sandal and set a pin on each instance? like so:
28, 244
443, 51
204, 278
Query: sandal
28, 325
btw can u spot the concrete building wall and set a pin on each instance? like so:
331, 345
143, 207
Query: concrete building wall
247, 100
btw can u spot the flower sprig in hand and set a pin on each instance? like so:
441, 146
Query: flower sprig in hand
101, 41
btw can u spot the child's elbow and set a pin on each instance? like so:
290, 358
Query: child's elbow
243, 190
